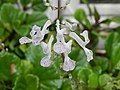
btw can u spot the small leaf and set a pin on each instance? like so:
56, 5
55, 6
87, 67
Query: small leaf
51, 84
23, 30
83, 74
25, 67
96, 15
28, 82
93, 80
36, 18
102, 62
6, 60
104, 79
34, 54
115, 57
11, 17
118, 65
67, 85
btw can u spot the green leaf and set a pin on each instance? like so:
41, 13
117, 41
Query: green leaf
83, 74
51, 84
1, 31
7, 60
115, 57
102, 62
11, 17
25, 67
85, 1
23, 30
104, 79
111, 41
34, 54
67, 85
109, 86
38, 5
118, 65
115, 19
93, 80
51, 73
25, 2
28, 82
36, 18
81, 16
96, 15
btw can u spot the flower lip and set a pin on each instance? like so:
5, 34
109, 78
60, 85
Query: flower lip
24, 40
45, 62
68, 64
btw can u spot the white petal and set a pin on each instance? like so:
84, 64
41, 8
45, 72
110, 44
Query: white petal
45, 62
50, 42
89, 54
85, 35
68, 46
54, 3
35, 30
24, 40
45, 48
68, 64
46, 25
77, 39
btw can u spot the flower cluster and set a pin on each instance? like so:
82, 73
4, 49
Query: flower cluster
60, 46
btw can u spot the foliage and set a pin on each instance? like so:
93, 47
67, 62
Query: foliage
20, 64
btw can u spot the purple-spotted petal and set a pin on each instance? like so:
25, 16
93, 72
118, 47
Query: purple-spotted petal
36, 40
45, 62
68, 64
59, 47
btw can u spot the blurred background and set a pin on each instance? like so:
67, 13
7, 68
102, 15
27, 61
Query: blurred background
19, 64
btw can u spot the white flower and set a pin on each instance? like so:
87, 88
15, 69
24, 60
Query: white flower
61, 46
69, 26
37, 34
46, 61
83, 44
68, 64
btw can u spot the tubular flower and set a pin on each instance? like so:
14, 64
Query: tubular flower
82, 43
37, 34
61, 47
68, 64
46, 61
